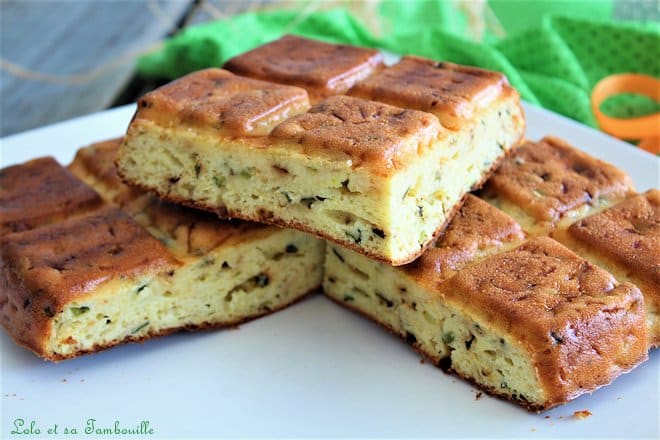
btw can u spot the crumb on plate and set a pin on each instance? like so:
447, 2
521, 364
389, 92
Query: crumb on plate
581, 414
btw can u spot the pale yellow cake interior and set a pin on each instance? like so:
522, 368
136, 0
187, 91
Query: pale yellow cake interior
227, 286
446, 334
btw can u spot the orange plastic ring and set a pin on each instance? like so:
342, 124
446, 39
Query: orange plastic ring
646, 128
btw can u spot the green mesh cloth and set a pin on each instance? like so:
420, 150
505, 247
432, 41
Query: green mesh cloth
554, 61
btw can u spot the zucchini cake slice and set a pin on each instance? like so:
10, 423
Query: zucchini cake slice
140, 268
378, 178
549, 184
625, 240
323, 69
527, 321
81, 284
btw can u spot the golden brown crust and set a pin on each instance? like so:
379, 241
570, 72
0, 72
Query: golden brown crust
71, 258
625, 240
549, 178
452, 92
44, 269
581, 327
628, 233
366, 132
322, 68
221, 101
39, 192
476, 227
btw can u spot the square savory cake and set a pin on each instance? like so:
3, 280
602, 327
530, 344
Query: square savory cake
550, 187
528, 321
548, 184
75, 286
136, 267
625, 240
379, 178
323, 69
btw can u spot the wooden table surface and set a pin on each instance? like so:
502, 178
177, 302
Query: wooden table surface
66, 58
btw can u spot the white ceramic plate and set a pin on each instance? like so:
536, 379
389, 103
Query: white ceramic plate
312, 370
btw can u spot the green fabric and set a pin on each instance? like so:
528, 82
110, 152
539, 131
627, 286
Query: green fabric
553, 60
520, 15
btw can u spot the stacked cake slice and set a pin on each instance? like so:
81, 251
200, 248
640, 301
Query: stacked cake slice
81, 272
380, 171
503, 305
378, 160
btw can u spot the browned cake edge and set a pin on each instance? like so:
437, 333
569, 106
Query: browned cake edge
650, 290
29, 329
551, 221
80, 199
621, 271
